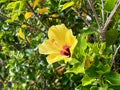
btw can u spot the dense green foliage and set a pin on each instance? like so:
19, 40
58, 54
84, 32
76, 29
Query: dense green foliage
24, 24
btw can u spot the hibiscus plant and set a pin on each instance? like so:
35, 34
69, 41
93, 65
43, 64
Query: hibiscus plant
59, 44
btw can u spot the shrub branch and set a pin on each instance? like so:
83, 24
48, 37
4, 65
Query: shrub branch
36, 15
94, 12
109, 19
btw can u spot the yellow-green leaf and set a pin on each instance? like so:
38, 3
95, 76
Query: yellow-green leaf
87, 80
28, 15
9, 21
77, 68
14, 17
43, 10
10, 6
2, 1
23, 26
27, 38
67, 5
20, 34
22, 5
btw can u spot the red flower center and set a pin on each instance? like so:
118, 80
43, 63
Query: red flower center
66, 51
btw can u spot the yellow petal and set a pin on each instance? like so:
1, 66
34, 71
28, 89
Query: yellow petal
58, 33
20, 34
35, 3
43, 10
47, 47
28, 15
55, 15
70, 40
55, 57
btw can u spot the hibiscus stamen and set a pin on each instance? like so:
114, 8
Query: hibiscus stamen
66, 51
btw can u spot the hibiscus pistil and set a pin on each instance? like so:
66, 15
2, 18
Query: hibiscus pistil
66, 51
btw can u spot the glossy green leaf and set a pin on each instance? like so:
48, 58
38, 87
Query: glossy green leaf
91, 72
94, 88
81, 46
109, 4
103, 69
73, 61
104, 87
87, 80
113, 78
77, 68
111, 37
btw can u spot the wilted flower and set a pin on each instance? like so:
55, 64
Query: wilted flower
60, 45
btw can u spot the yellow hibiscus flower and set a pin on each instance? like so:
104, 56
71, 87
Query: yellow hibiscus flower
60, 45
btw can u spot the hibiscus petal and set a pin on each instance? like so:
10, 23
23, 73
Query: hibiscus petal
47, 47
70, 40
52, 58
58, 33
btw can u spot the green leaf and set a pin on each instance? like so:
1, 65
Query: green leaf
22, 4
16, 8
91, 72
14, 17
111, 37
1, 34
104, 87
77, 68
10, 6
80, 87
109, 4
67, 5
95, 47
87, 80
116, 87
54, 3
103, 69
113, 78
94, 88
73, 61
2, 1
81, 46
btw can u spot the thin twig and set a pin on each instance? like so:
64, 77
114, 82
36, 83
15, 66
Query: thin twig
88, 24
94, 12
36, 28
113, 59
37, 15
103, 17
20, 23
109, 19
